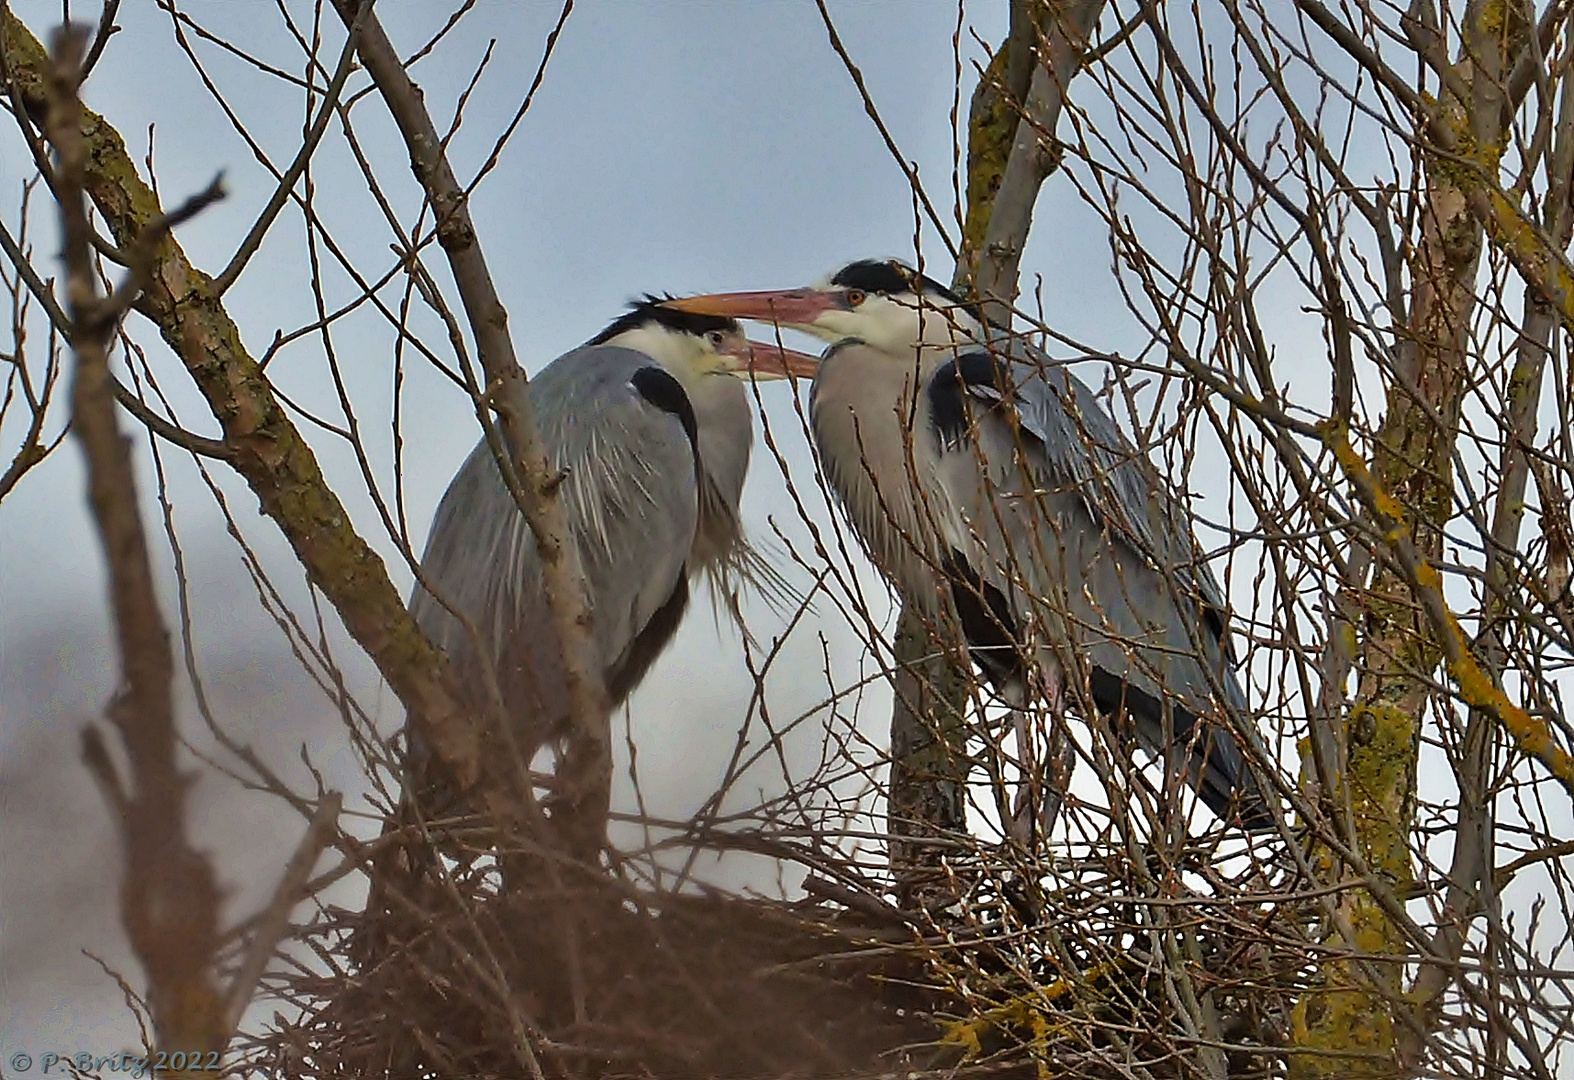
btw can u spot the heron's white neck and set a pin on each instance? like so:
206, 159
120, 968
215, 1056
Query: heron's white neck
869, 414
681, 355
898, 327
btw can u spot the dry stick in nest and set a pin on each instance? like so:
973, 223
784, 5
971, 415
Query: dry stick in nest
169, 900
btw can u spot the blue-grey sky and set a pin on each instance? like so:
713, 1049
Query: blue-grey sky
682, 146
674, 145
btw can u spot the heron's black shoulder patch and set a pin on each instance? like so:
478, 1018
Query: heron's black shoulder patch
667, 394
649, 310
948, 409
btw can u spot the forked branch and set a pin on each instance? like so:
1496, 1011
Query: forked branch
1032, 159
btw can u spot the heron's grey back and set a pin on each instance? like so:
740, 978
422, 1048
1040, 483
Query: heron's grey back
1141, 598
1103, 555
630, 493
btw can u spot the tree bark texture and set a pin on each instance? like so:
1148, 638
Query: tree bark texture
1400, 647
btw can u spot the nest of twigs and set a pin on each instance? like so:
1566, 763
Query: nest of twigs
603, 980
596, 977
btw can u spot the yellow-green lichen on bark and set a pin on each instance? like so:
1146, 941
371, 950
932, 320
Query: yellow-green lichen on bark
1382, 738
1506, 24
1471, 158
1345, 1017
991, 127
1023, 1020
1342, 1018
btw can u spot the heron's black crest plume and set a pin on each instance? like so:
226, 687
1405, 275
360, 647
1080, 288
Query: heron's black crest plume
894, 276
889, 276
649, 309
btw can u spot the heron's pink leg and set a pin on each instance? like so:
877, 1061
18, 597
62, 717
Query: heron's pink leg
1062, 755
1027, 798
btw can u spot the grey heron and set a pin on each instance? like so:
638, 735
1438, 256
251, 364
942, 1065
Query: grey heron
990, 486
649, 424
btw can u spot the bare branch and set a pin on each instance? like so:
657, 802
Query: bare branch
169, 901
281, 193
274, 921
106, 30
1032, 158
586, 772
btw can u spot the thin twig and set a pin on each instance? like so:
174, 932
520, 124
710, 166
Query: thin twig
274, 922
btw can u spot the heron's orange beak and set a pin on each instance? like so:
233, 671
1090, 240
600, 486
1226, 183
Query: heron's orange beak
770, 361
798, 308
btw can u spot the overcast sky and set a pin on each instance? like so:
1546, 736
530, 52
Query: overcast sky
675, 145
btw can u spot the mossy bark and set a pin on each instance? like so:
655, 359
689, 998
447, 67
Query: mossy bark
991, 127
1400, 648
269, 452
926, 805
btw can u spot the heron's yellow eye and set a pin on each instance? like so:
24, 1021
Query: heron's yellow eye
856, 297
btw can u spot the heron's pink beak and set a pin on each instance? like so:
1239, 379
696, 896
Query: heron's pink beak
769, 361
798, 308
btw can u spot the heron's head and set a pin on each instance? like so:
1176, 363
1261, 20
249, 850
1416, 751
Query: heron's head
883, 303
690, 345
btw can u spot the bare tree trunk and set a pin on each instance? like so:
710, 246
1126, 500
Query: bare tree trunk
926, 802
1472, 890
1361, 1011
1010, 153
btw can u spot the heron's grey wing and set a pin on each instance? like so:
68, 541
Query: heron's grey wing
1070, 531
1083, 446
631, 497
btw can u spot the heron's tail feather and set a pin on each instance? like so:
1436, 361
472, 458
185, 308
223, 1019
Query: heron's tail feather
1214, 767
